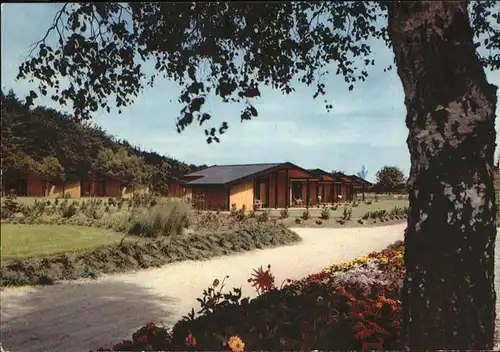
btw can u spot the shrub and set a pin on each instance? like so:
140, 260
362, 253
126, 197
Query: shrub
264, 216
325, 213
284, 213
355, 204
366, 216
142, 200
69, 210
167, 219
368, 202
10, 206
112, 202
238, 214
318, 222
382, 213
298, 221
120, 222
306, 215
347, 213
334, 207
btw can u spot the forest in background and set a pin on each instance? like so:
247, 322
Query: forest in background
60, 148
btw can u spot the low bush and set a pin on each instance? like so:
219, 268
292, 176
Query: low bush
166, 219
352, 306
238, 214
10, 206
306, 215
347, 213
263, 217
325, 213
142, 253
383, 215
284, 213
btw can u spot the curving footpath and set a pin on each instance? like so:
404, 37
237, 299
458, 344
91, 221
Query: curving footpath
87, 314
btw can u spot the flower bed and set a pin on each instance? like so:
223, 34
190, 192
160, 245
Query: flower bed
355, 305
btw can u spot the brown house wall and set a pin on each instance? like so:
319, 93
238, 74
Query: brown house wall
175, 190
327, 197
211, 198
113, 188
35, 185
282, 189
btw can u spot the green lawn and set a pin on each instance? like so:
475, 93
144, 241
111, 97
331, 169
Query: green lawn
23, 241
357, 212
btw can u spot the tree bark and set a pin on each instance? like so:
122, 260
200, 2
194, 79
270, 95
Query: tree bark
449, 295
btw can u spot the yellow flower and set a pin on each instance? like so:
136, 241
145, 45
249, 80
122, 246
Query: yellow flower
236, 344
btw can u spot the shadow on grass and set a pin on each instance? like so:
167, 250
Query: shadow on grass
77, 316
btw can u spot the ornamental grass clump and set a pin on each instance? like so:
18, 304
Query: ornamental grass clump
165, 219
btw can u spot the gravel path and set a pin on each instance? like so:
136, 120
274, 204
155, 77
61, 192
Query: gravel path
83, 315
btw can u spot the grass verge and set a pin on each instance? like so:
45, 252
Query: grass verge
25, 241
140, 254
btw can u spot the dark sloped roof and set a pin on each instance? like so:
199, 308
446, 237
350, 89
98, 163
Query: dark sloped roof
320, 173
360, 180
341, 174
223, 174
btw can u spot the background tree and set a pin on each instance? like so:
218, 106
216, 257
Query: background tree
160, 179
34, 139
130, 169
449, 299
51, 169
389, 179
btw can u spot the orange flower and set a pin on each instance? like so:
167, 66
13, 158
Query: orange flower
190, 340
236, 344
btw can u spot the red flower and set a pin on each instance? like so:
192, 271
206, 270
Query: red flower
263, 281
190, 340
150, 326
143, 339
359, 326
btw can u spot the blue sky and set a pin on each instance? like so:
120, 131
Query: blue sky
366, 126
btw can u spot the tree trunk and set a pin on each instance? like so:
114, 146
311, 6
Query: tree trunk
449, 294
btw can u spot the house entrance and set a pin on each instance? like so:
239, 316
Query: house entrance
296, 191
